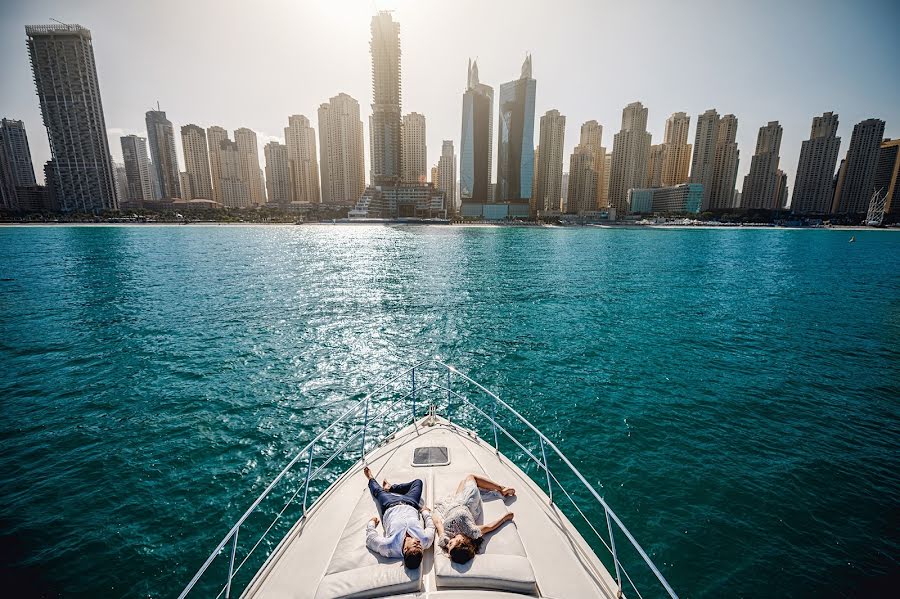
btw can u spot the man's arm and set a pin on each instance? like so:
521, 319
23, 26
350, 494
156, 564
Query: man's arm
486, 528
429, 528
375, 541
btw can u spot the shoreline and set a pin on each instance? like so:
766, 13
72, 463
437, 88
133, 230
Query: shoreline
458, 225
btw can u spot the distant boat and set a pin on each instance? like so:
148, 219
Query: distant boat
852, 238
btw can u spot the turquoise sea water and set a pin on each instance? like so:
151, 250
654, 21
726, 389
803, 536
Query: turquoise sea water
736, 393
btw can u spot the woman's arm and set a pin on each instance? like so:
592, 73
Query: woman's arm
486, 528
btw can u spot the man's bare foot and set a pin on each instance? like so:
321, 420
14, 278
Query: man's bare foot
385, 485
368, 472
507, 492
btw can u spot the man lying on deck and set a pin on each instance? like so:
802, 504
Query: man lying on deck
403, 533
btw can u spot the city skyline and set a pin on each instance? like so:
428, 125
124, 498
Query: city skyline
258, 105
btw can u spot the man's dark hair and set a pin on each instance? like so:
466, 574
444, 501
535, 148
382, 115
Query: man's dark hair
412, 558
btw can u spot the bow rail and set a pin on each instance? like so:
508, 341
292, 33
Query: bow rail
430, 380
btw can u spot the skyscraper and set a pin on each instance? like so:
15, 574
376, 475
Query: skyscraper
887, 175
550, 161
655, 160
121, 177
246, 143
65, 75
763, 184
278, 173
300, 139
14, 142
813, 192
139, 188
703, 163
446, 167
215, 135
342, 160
161, 136
725, 165
676, 159
858, 183
16, 169
234, 190
476, 139
385, 122
414, 153
631, 149
587, 171
515, 140
196, 163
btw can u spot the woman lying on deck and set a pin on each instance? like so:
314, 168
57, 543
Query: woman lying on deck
455, 517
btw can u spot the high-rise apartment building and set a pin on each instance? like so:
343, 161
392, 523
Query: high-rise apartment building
385, 122
121, 177
341, 154
704, 159
476, 139
300, 139
655, 160
550, 161
414, 153
235, 191
631, 149
607, 175
278, 173
676, 159
515, 140
196, 163
446, 171
139, 188
65, 75
215, 135
763, 185
813, 191
16, 169
857, 183
725, 165
587, 173
249, 150
14, 143
161, 137
887, 175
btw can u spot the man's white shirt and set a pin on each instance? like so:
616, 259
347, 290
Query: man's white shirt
399, 520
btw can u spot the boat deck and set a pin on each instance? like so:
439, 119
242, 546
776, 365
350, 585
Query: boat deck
313, 556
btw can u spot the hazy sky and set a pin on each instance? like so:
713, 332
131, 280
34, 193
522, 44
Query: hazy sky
241, 63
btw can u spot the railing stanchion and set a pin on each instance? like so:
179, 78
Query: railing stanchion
365, 427
494, 426
306, 484
449, 400
612, 546
231, 563
547, 469
414, 394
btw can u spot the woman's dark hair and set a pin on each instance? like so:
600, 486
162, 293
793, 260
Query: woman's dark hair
464, 549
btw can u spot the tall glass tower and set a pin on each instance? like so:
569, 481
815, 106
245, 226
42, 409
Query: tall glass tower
385, 122
476, 140
515, 146
65, 75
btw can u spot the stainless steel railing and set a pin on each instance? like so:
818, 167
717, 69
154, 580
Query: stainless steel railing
390, 418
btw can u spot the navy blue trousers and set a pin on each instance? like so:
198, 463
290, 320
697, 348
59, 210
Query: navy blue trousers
408, 493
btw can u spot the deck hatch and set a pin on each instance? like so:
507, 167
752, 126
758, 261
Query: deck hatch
431, 456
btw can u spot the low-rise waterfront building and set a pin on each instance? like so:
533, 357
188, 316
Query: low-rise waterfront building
687, 197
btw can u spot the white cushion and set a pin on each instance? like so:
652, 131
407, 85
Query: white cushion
488, 571
501, 563
356, 572
370, 581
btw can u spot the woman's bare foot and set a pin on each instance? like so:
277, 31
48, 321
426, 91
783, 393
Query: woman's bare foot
508, 492
368, 472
